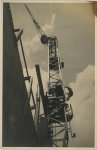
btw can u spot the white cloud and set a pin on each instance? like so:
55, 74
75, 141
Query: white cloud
83, 103
48, 28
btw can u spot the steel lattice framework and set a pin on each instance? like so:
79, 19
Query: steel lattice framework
55, 101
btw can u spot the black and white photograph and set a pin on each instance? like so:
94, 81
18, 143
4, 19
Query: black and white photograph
48, 85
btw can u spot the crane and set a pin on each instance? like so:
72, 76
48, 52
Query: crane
43, 37
57, 109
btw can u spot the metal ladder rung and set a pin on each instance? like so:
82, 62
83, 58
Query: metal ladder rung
27, 78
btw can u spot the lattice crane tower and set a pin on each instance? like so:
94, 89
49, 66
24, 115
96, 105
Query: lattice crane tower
56, 108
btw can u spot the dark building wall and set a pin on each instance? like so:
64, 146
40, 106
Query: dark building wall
18, 126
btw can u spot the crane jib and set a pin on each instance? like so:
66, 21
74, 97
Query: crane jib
43, 36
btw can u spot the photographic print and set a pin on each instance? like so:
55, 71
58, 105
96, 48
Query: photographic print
48, 75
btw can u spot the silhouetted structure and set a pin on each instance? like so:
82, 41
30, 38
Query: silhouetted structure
18, 125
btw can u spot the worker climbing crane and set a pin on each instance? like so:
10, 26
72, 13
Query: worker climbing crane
56, 107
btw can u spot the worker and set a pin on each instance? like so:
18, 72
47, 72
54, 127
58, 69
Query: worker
70, 93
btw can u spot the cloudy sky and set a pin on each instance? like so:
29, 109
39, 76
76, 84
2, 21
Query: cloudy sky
74, 26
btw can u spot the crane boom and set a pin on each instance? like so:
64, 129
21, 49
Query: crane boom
43, 37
